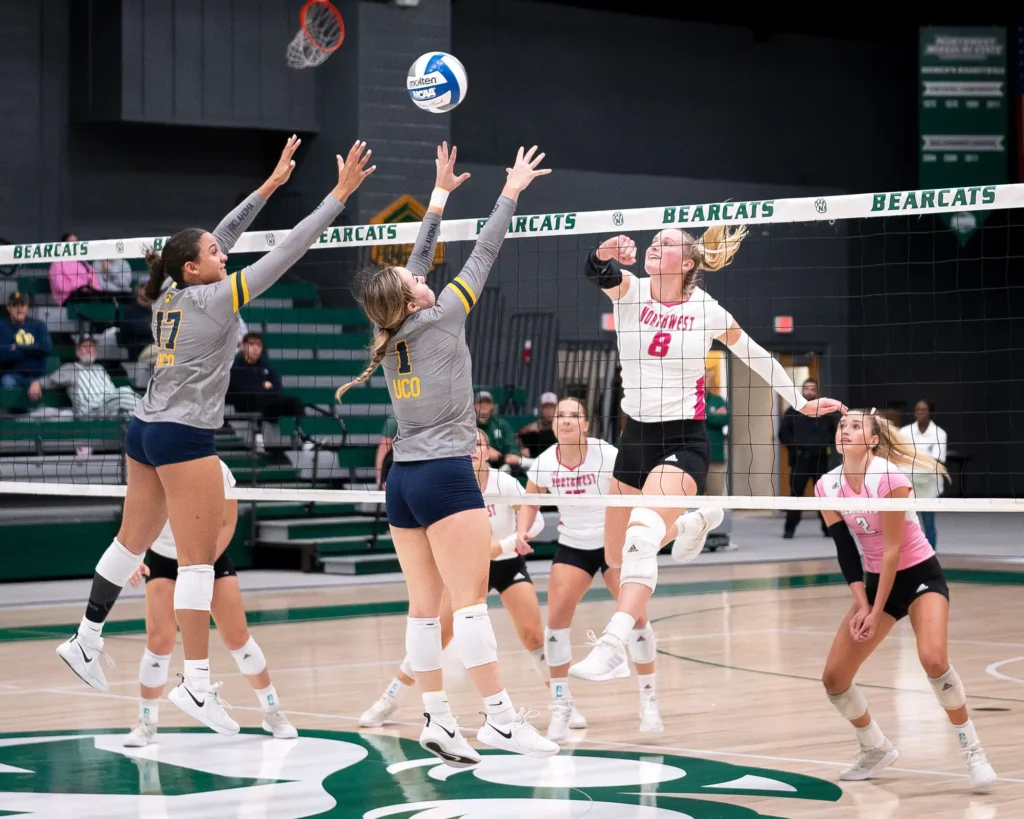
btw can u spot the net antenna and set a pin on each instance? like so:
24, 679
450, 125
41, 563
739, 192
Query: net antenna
321, 32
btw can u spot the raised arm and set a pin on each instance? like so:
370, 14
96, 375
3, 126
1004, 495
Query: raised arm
228, 296
422, 257
604, 266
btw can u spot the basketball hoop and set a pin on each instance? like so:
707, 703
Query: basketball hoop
320, 34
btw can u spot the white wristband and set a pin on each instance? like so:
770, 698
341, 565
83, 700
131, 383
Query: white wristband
438, 198
508, 545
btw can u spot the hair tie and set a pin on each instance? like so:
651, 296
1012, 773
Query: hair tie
872, 411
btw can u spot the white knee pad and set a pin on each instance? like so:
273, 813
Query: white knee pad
406, 667
640, 552
949, 690
193, 589
153, 669
643, 646
117, 564
559, 645
851, 703
249, 658
423, 643
474, 636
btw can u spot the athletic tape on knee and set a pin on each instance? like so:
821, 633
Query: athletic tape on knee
851, 703
117, 564
194, 588
559, 645
640, 552
949, 690
474, 636
423, 643
249, 658
643, 646
153, 669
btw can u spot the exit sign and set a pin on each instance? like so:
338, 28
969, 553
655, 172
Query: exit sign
783, 324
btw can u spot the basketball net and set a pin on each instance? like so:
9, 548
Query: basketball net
321, 32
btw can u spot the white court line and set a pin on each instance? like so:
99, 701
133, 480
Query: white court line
655, 748
903, 638
993, 670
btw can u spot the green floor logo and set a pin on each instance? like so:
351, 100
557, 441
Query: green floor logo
363, 776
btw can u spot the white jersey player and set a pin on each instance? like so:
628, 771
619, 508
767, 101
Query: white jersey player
665, 325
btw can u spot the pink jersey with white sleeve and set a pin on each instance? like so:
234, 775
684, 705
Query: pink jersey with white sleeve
880, 479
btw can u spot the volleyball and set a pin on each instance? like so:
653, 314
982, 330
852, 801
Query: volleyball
437, 82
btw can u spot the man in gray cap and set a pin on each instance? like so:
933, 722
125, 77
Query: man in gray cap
538, 435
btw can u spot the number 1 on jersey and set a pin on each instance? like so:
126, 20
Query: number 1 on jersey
404, 362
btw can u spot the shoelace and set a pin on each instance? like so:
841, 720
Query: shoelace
214, 691
977, 756
592, 638
98, 649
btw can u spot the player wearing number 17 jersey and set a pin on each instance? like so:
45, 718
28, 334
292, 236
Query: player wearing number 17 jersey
665, 325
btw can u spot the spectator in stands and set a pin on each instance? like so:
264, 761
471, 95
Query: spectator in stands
114, 275
928, 439
255, 386
24, 345
74, 280
90, 388
135, 327
504, 449
535, 437
716, 420
809, 441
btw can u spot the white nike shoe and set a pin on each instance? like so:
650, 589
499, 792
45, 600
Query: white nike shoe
376, 714
650, 716
205, 706
558, 725
444, 740
606, 660
517, 737
869, 761
981, 771
277, 724
694, 528
142, 734
84, 660
576, 719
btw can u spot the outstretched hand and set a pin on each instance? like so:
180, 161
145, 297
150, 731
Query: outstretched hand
524, 171
352, 171
445, 164
283, 170
823, 406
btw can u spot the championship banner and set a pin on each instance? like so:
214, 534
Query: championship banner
404, 209
963, 117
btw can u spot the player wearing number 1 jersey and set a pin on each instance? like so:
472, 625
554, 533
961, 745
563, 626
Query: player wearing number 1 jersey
439, 523
665, 325
899, 576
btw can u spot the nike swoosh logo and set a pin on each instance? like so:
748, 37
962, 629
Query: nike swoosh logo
496, 728
87, 658
197, 702
450, 733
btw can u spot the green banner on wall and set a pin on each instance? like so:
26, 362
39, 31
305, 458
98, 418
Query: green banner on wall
963, 118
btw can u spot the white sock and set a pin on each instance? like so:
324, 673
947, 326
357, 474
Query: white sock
499, 708
435, 703
871, 736
648, 685
966, 735
395, 688
149, 710
620, 626
268, 699
197, 674
560, 689
90, 632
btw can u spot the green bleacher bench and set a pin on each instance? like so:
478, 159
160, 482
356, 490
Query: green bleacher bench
322, 425
315, 341
34, 285
93, 311
64, 353
18, 400
350, 317
52, 364
326, 367
298, 292
357, 456
105, 433
356, 395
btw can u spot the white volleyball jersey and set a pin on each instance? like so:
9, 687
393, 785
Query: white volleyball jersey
578, 526
164, 543
662, 352
503, 516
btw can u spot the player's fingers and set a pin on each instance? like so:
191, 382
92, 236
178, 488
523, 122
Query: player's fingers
537, 159
542, 172
454, 151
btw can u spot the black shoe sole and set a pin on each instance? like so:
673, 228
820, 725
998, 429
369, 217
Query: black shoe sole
453, 760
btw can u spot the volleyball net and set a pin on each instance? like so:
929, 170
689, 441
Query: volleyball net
884, 299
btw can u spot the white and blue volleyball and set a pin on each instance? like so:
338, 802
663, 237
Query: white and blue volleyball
437, 82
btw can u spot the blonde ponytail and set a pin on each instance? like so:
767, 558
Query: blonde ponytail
894, 447
718, 245
378, 350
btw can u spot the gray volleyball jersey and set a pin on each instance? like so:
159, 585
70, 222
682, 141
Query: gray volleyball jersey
196, 327
429, 369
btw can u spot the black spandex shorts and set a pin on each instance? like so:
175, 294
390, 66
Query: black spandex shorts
164, 567
506, 573
642, 447
909, 584
589, 560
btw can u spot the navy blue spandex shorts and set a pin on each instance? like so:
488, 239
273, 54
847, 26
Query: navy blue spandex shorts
420, 493
163, 443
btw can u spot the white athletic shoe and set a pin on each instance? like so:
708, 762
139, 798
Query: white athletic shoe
606, 660
374, 716
981, 771
558, 725
205, 706
518, 737
576, 719
142, 734
870, 761
277, 724
650, 716
694, 528
447, 743
84, 660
